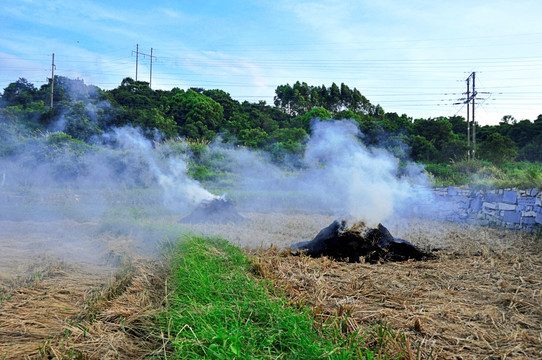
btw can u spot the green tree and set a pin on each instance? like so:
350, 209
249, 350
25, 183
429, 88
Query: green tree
230, 106
334, 98
346, 97
234, 125
289, 145
300, 98
532, 151
316, 97
395, 123
438, 131
155, 119
423, 150
284, 97
304, 121
454, 149
360, 104
498, 149
301, 102
254, 138
134, 95
521, 132
17, 93
198, 116
459, 124
77, 123
347, 114
290, 136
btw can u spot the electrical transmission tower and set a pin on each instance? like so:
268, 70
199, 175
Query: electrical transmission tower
151, 56
470, 101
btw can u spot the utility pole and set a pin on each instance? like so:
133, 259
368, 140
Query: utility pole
473, 122
470, 100
52, 79
150, 78
468, 120
137, 57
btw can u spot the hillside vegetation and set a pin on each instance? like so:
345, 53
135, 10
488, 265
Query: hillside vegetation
508, 154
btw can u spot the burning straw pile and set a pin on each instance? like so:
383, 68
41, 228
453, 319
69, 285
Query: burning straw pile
359, 243
479, 298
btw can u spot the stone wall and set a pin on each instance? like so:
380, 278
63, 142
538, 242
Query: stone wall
508, 208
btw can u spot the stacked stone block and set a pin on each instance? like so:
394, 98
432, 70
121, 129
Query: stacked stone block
508, 208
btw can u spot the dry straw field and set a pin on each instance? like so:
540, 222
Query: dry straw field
68, 291
479, 298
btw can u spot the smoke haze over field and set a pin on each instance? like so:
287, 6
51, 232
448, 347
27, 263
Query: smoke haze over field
124, 178
180, 191
340, 176
122, 158
365, 180
48, 181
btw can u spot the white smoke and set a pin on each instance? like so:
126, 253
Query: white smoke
49, 181
180, 191
340, 176
366, 180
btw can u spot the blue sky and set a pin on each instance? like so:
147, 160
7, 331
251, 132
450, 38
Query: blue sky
410, 57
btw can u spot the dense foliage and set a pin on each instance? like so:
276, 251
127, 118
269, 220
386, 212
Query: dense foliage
83, 111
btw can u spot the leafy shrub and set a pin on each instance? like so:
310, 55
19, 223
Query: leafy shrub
446, 175
202, 173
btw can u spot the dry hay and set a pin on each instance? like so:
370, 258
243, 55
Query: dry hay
479, 299
62, 294
32, 314
120, 323
25, 243
264, 229
30, 250
72, 314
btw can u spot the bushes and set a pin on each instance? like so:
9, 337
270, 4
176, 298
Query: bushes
445, 175
480, 173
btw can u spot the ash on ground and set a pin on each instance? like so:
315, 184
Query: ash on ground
216, 211
359, 243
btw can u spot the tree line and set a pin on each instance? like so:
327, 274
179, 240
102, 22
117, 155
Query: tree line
82, 111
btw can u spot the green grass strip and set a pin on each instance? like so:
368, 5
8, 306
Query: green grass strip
218, 311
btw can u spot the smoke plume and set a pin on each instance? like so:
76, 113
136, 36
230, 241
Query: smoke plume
339, 176
179, 190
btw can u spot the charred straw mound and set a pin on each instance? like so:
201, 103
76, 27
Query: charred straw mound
216, 211
352, 244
